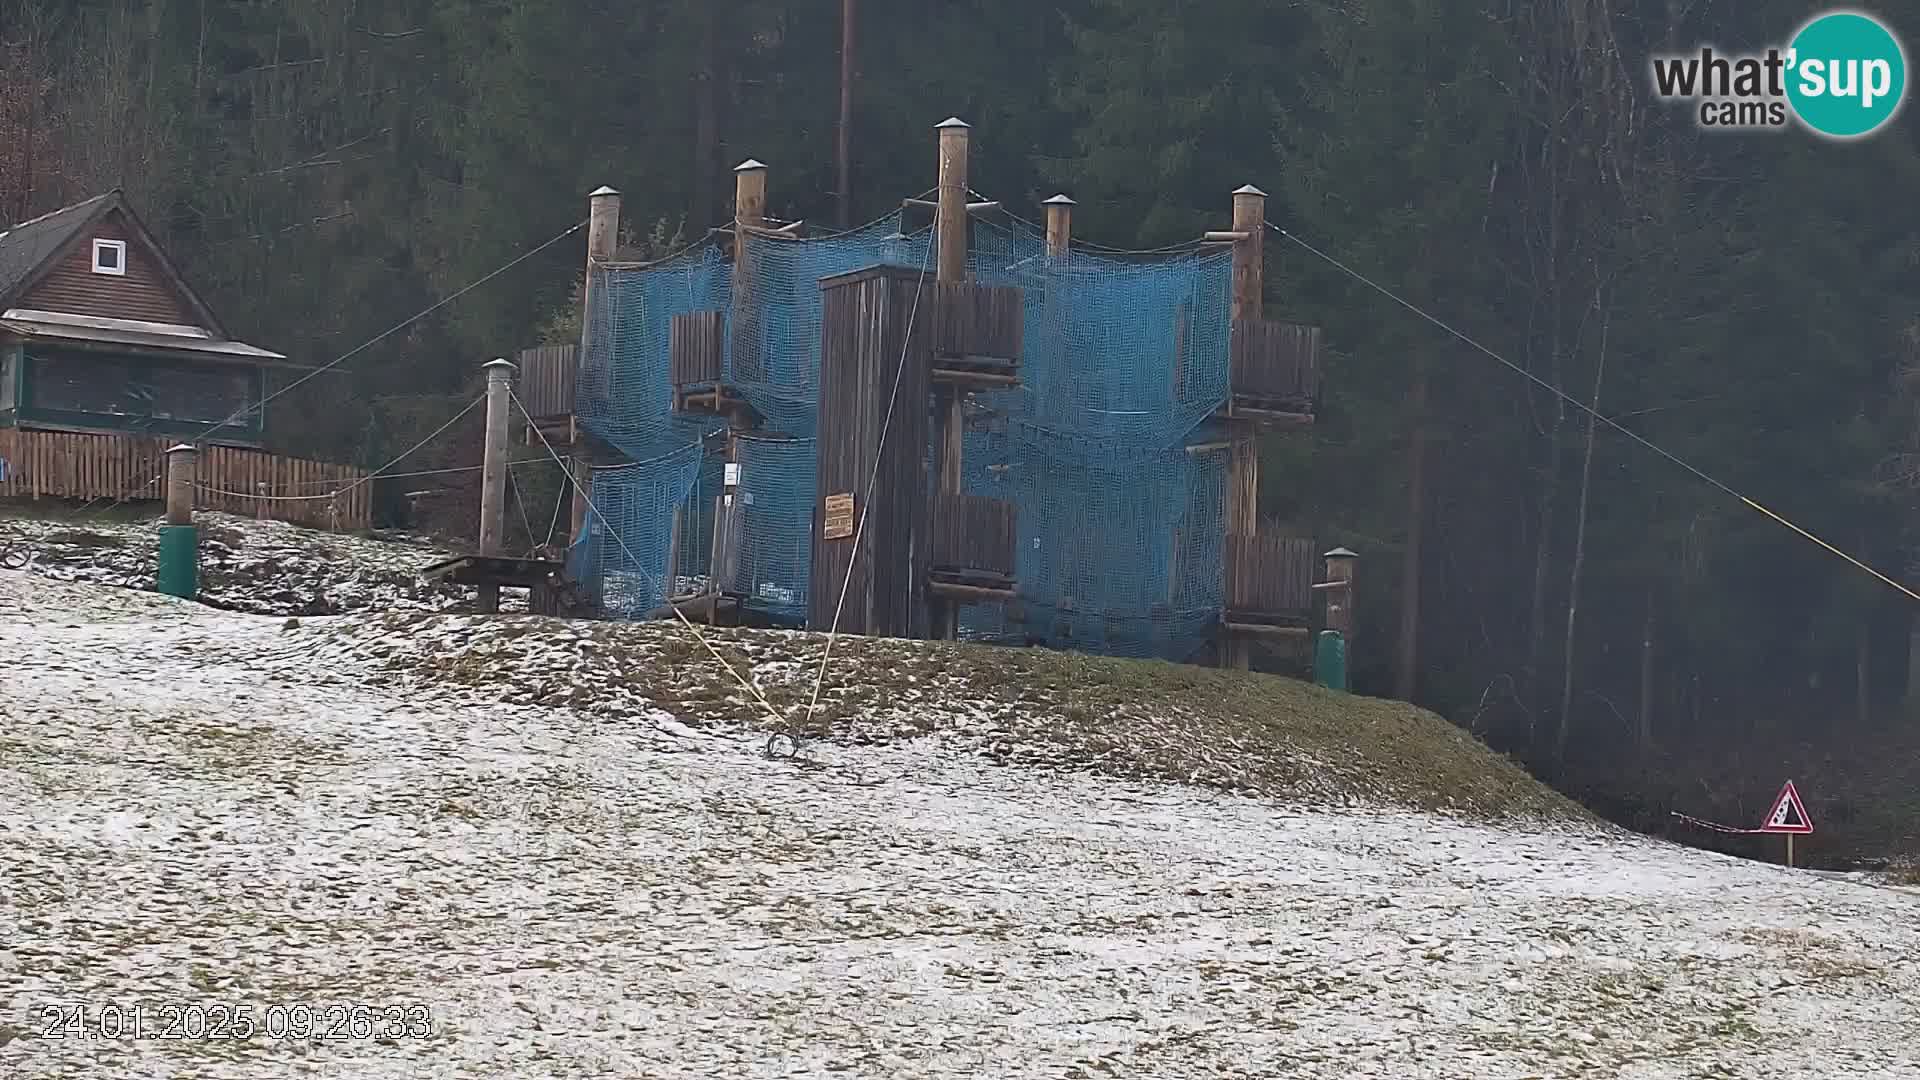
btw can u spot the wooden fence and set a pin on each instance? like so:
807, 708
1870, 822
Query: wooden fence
973, 535
546, 380
1268, 575
1274, 361
132, 468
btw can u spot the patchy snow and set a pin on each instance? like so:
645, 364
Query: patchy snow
203, 808
254, 565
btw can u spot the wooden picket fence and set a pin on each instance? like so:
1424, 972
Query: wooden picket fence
132, 468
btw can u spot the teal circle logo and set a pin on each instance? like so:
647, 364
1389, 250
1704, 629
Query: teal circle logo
1847, 74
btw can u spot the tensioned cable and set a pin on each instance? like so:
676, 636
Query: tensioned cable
1642, 440
665, 591
364, 346
866, 501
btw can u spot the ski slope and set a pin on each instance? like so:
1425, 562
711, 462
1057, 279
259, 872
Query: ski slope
203, 810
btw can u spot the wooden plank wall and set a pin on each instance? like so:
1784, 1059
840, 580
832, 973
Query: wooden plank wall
1268, 575
1274, 360
77, 465
864, 328
695, 344
546, 380
978, 322
973, 533
143, 292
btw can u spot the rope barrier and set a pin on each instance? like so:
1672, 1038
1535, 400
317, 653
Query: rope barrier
1713, 826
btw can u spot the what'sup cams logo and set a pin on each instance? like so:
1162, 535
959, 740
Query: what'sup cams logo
1842, 76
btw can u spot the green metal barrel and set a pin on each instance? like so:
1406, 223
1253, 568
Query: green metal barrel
1330, 660
179, 561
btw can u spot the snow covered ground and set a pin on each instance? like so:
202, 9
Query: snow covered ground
202, 808
247, 564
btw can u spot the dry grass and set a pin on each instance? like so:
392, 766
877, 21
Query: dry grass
1250, 733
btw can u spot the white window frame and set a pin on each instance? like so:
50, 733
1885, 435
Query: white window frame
118, 247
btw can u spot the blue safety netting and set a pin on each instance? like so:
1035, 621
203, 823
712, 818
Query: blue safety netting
623, 551
1119, 525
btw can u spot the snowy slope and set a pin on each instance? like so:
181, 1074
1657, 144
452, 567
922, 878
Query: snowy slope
259, 566
205, 808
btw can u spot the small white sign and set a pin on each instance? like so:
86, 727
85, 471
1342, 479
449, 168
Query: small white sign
733, 474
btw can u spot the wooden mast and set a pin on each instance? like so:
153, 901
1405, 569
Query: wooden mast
1243, 452
950, 241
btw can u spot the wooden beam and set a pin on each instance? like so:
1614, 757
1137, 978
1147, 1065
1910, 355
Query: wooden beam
953, 590
1267, 416
929, 204
973, 378
1263, 629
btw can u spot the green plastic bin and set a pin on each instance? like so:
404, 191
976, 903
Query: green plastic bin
179, 561
1330, 660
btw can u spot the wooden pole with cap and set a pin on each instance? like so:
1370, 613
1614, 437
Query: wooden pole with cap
1243, 451
493, 471
603, 230
950, 242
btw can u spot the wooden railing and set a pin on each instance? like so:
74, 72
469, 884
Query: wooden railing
546, 380
132, 468
696, 342
1275, 362
973, 535
977, 324
1268, 575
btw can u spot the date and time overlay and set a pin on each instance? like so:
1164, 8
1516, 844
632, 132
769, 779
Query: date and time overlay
183, 1021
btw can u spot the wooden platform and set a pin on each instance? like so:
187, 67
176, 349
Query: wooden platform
1266, 412
717, 398
711, 608
1264, 624
972, 588
497, 570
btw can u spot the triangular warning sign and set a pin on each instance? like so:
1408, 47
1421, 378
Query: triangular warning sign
1789, 814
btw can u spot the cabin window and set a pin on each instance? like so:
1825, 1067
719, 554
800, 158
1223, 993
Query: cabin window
139, 392
9, 374
110, 257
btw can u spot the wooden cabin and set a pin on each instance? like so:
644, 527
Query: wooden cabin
100, 333
108, 356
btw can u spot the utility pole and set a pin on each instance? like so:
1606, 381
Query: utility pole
846, 113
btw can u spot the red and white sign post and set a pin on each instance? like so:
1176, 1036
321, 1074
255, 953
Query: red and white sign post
1789, 817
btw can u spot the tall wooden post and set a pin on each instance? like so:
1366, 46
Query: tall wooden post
846, 113
1243, 479
749, 216
182, 469
1339, 589
1059, 225
1243, 455
950, 219
603, 230
950, 243
178, 570
493, 471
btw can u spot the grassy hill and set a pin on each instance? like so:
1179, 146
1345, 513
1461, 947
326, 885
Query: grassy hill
1238, 732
